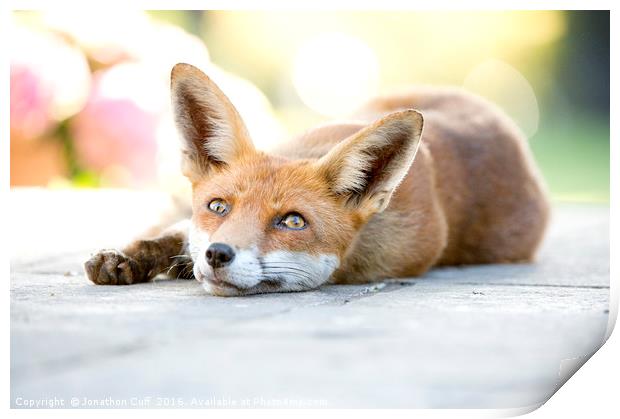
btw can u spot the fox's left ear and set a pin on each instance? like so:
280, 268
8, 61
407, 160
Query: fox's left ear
366, 168
214, 133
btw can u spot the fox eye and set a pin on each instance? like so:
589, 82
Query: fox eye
293, 221
219, 206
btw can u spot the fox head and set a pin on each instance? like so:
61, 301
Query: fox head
264, 223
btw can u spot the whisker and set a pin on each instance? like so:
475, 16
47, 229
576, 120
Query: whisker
304, 275
184, 270
283, 266
175, 265
305, 278
170, 268
288, 268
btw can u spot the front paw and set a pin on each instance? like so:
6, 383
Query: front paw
111, 267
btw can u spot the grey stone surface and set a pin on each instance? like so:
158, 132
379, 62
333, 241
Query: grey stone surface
484, 336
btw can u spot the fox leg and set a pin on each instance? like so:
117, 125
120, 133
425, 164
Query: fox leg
142, 260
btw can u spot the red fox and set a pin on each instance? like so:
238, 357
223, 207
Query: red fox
428, 177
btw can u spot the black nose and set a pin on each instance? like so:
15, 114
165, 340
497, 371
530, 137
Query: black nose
219, 255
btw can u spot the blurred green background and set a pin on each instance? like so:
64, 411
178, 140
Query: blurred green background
549, 70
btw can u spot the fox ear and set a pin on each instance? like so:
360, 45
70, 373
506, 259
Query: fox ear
366, 168
214, 133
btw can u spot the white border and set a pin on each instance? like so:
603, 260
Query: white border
319, 5
4, 197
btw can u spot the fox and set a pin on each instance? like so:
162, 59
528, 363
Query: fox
423, 177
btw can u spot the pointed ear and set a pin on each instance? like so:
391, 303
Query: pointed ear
213, 132
366, 168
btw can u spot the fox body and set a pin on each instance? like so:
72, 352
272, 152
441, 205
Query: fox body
390, 193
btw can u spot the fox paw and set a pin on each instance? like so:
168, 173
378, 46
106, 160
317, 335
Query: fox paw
111, 267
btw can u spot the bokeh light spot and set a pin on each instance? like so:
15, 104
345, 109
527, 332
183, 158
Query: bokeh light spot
504, 85
334, 73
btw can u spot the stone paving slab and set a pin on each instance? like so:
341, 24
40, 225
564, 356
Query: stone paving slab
487, 336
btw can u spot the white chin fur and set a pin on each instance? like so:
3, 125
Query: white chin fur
252, 273
298, 271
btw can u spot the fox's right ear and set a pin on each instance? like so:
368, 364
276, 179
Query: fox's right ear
366, 168
213, 132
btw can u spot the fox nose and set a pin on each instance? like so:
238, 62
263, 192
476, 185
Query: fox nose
220, 255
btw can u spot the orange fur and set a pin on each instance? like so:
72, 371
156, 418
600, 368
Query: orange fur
471, 196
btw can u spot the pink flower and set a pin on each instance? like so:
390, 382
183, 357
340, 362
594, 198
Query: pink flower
49, 81
30, 103
116, 131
